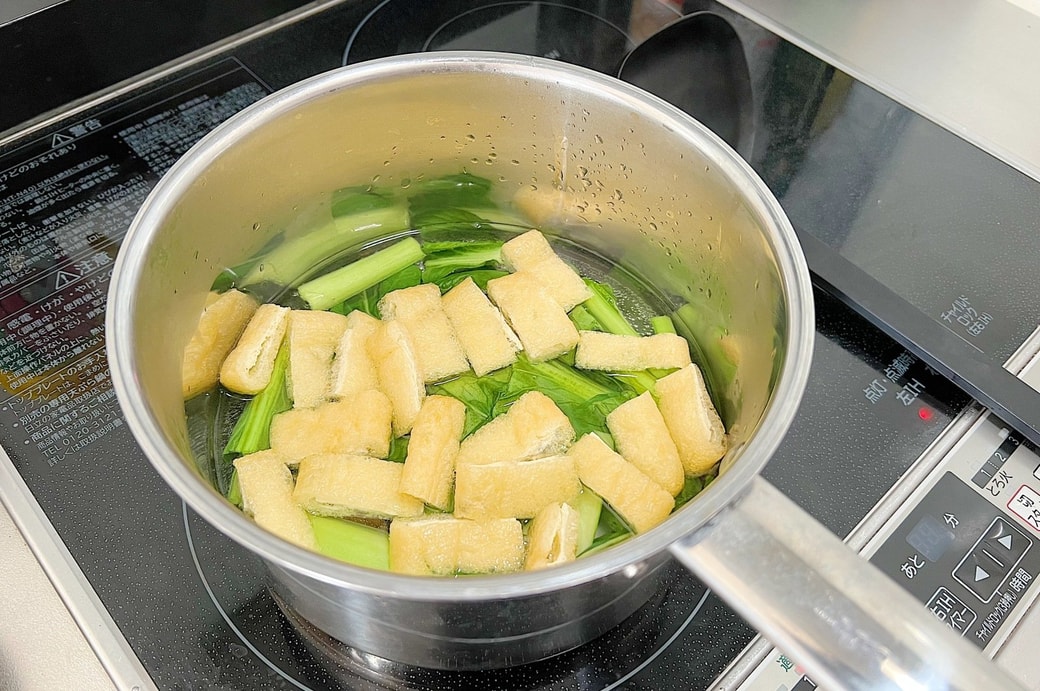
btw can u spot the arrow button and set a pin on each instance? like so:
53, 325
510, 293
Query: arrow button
992, 559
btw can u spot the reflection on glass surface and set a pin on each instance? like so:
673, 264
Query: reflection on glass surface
947, 227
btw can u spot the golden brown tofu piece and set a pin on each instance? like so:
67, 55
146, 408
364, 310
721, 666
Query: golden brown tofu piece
399, 376
420, 311
531, 253
539, 321
429, 469
247, 368
549, 207
532, 427
514, 489
624, 353
642, 438
638, 499
353, 370
444, 546
692, 420
345, 486
313, 337
357, 424
222, 321
552, 537
482, 331
267, 489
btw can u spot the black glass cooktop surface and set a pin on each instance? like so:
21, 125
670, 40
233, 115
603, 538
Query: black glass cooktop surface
939, 222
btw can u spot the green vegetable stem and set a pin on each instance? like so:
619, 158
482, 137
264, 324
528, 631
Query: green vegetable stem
293, 260
352, 542
589, 506
601, 309
253, 428
445, 258
329, 289
662, 325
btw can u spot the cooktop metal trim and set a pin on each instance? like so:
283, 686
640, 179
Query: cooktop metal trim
79, 597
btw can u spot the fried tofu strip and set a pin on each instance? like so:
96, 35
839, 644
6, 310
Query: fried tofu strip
353, 370
247, 368
532, 427
623, 353
482, 331
429, 468
692, 420
399, 375
313, 337
420, 311
345, 485
267, 496
357, 424
552, 537
531, 253
538, 319
638, 499
222, 321
514, 489
443, 545
642, 438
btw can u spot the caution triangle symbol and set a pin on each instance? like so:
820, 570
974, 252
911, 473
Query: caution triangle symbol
980, 574
63, 279
58, 139
1005, 541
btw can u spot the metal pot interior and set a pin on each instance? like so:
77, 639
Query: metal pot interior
661, 197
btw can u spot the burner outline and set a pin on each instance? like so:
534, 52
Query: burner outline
357, 29
300, 685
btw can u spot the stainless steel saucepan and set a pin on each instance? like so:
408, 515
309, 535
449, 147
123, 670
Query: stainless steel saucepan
663, 197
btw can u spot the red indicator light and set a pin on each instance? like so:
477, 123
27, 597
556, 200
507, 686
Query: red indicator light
925, 414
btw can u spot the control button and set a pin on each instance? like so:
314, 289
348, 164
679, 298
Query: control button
992, 558
1026, 505
950, 609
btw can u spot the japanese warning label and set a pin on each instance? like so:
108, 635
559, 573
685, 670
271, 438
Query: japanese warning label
66, 200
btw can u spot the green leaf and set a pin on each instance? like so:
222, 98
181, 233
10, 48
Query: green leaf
296, 259
610, 531
444, 258
479, 276
234, 493
459, 190
398, 450
693, 486
479, 394
585, 397
662, 324
355, 200
583, 319
589, 505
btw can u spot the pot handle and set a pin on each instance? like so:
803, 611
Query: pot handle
826, 607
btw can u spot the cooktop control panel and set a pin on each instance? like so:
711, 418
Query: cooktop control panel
966, 544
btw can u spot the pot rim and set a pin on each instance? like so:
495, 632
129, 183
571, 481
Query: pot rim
697, 514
